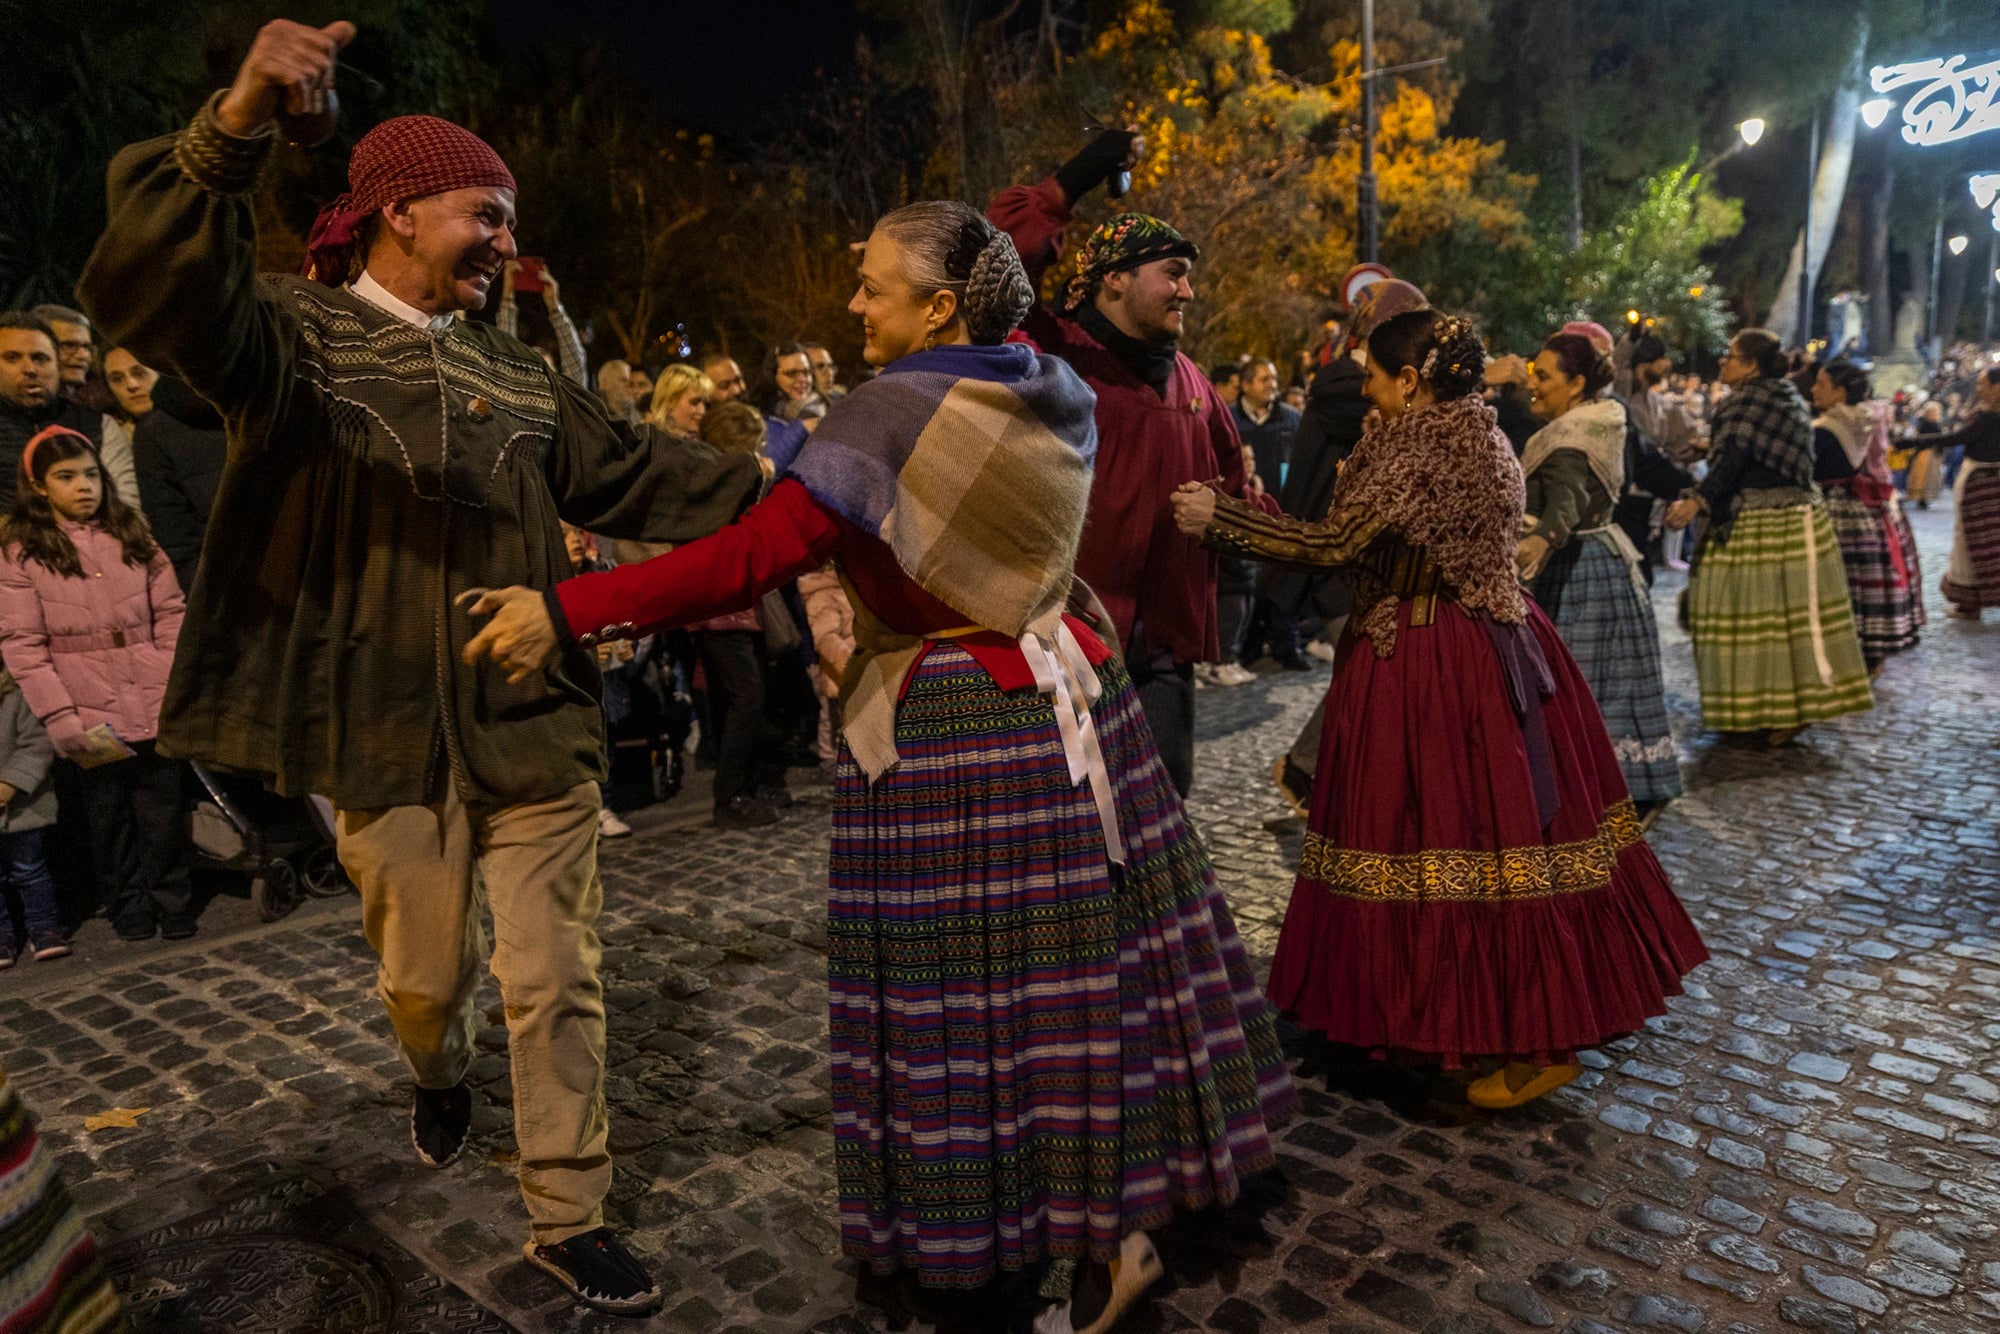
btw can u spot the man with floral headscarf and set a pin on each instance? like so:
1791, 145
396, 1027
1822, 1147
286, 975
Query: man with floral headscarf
1159, 423
387, 458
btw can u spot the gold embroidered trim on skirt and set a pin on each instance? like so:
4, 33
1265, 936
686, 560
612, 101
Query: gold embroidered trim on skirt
1452, 875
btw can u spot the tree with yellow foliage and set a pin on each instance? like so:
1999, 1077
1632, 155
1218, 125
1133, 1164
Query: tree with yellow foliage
1260, 170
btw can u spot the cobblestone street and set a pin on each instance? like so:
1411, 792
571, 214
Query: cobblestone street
1810, 1140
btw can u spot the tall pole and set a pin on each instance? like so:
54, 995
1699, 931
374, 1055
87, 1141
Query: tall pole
1805, 242
1992, 281
1930, 310
1370, 218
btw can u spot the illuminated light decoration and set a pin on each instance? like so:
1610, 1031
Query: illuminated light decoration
1875, 112
1954, 103
1957, 245
1752, 130
1986, 194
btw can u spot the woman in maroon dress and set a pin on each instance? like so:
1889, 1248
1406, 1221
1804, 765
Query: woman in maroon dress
1474, 882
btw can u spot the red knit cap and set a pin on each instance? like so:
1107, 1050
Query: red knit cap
405, 158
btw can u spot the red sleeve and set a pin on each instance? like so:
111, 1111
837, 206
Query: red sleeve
778, 539
1035, 216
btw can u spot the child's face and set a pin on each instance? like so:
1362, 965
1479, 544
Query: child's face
578, 544
75, 488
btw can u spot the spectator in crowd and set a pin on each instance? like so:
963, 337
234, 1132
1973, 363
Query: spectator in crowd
1267, 428
1295, 397
1227, 377
1235, 595
612, 660
826, 374
725, 375
681, 399
27, 808
614, 388
788, 368
91, 613
76, 351
640, 384
179, 450
131, 384
1643, 368
1159, 423
84, 384
31, 396
569, 345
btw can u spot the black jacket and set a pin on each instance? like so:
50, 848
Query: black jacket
178, 451
1329, 428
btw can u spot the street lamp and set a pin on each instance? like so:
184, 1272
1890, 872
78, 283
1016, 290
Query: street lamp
1957, 245
1752, 130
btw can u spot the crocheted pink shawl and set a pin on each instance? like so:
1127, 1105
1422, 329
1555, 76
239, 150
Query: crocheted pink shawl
1445, 479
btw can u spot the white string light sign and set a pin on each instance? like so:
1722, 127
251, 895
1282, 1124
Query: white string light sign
1955, 102
1986, 194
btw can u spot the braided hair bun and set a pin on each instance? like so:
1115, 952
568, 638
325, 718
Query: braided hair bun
998, 294
1446, 350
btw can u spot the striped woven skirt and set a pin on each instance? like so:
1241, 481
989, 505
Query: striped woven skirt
1033, 1054
1607, 621
51, 1279
1887, 603
1913, 560
1972, 581
1772, 625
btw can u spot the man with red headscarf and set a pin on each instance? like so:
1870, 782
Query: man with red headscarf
385, 459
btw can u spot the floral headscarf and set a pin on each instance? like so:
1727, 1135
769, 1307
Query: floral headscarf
1123, 242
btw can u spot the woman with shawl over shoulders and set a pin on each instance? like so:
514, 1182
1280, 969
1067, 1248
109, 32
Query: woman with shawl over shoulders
1850, 463
1474, 883
1972, 581
1582, 567
1767, 603
1046, 1034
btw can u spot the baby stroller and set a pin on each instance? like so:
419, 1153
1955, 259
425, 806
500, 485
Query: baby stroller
283, 844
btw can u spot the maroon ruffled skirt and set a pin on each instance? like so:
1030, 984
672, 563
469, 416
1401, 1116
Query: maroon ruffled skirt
1434, 916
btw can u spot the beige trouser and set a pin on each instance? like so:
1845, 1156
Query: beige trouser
536, 869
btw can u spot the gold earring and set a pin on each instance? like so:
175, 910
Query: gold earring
930, 339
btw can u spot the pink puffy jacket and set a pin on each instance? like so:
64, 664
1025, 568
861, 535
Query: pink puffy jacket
95, 649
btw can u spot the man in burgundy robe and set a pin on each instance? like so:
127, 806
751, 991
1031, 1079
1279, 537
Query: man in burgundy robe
1159, 423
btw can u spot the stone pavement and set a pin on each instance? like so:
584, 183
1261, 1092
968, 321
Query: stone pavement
1808, 1141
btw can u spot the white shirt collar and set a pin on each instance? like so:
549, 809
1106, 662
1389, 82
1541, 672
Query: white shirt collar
383, 299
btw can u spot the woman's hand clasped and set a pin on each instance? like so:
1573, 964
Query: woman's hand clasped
520, 638
1194, 507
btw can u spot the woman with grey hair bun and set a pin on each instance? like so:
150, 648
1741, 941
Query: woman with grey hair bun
1047, 1037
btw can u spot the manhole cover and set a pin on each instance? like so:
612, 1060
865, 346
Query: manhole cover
288, 1259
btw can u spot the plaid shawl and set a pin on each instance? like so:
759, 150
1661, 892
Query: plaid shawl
1766, 420
973, 465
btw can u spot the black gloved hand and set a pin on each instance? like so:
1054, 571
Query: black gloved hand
1090, 168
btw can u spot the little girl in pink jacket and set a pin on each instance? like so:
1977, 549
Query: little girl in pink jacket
89, 615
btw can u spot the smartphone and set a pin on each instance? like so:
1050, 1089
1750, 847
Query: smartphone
528, 274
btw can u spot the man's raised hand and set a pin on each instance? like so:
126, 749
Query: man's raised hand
289, 68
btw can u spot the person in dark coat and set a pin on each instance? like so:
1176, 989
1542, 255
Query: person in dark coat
1267, 427
179, 449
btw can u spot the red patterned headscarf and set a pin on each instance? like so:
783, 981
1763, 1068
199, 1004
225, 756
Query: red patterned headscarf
404, 158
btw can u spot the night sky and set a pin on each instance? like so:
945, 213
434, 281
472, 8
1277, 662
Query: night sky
729, 65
